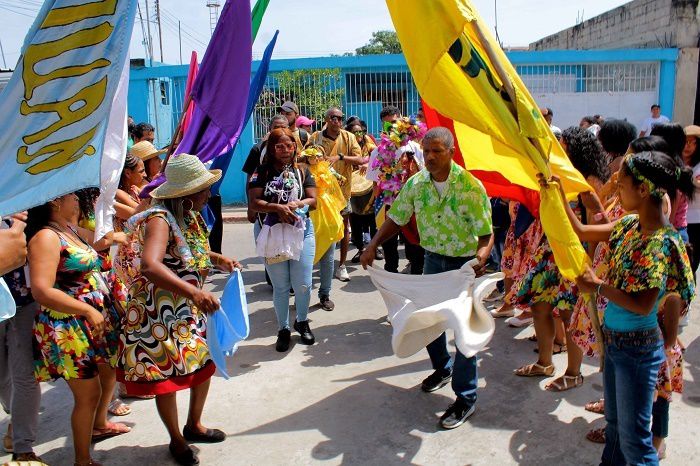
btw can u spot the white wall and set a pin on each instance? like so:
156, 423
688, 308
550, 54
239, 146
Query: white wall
568, 108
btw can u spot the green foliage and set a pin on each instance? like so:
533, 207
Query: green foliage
382, 42
314, 90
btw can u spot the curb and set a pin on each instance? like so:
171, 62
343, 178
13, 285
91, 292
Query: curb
235, 218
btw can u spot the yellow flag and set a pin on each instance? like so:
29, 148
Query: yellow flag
461, 71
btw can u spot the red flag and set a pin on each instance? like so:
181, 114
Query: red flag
191, 76
496, 185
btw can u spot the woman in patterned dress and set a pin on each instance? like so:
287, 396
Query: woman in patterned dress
77, 330
544, 289
163, 347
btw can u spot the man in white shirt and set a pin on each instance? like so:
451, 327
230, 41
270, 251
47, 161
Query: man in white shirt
656, 118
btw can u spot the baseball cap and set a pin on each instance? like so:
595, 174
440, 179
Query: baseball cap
304, 121
289, 106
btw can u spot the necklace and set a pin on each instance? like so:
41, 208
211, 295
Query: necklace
70, 235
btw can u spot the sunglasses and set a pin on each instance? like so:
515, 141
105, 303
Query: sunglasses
290, 146
359, 133
336, 118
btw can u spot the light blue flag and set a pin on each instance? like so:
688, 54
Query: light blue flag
227, 327
64, 109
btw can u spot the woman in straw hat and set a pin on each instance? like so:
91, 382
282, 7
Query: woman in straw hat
163, 347
150, 156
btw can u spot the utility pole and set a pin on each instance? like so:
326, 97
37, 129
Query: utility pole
2, 50
160, 30
179, 36
148, 25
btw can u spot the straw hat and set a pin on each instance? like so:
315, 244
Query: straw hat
145, 150
692, 130
185, 174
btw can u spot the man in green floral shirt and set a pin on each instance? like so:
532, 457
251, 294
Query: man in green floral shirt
453, 214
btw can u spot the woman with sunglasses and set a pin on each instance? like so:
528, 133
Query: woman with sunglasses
284, 194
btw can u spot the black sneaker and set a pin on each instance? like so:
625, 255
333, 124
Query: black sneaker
435, 381
356, 258
379, 255
283, 338
307, 338
456, 414
326, 303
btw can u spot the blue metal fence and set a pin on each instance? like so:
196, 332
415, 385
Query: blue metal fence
564, 79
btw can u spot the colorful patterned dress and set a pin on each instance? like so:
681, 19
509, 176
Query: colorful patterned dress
163, 347
581, 326
542, 282
127, 261
518, 251
65, 345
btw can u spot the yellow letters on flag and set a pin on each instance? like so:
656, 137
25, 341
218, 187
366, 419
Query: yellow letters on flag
461, 72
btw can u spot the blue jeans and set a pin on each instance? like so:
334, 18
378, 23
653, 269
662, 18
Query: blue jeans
464, 370
326, 267
296, 275
629, 379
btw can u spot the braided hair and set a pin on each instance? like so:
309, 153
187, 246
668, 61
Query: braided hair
130, 163
663, 171
86, 200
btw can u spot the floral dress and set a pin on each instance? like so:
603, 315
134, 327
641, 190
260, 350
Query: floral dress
163, 346
660, 260
517, 251
581, 326
65, 346
127, 261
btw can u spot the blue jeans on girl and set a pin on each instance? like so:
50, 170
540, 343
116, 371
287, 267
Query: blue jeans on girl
632, 361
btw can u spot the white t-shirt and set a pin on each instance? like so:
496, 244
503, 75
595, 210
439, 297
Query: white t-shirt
650, 122
693, 214
412, 146
440, 186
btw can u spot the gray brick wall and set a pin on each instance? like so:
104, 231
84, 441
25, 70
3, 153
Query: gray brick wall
637, 24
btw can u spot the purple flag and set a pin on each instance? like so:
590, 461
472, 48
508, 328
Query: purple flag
221, 88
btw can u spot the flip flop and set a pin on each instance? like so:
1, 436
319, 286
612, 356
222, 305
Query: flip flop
112, 429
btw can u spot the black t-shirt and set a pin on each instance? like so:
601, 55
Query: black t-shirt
266, 173
253, 161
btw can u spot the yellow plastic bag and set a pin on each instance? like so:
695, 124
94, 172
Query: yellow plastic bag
328, 223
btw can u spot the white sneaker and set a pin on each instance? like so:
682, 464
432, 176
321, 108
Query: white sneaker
341, 274
518, 321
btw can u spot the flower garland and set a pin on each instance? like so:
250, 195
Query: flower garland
390, 171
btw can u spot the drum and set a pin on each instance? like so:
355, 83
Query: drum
362, 191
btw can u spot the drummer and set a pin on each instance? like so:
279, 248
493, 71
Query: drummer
362, 193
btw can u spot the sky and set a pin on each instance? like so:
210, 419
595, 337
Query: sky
308, 28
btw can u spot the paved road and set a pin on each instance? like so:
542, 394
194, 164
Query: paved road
348, 400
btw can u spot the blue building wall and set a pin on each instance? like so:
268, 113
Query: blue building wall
146, 102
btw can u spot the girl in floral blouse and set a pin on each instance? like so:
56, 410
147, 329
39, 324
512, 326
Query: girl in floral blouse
648, 263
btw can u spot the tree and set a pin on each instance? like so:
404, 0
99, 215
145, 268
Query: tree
382, 42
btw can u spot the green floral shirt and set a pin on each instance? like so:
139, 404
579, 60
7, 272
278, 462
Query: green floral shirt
450, 224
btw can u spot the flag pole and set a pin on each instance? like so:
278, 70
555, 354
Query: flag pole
176, 134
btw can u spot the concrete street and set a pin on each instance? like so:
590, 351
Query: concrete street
348, 400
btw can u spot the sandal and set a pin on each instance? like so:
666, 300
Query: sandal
597, 407
558, 348
89, 463
118, 408
535, 370
596, 435
123, 394
564, 383
112, 429
532, 337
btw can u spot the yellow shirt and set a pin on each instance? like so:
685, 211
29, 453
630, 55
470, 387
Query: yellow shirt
347, 145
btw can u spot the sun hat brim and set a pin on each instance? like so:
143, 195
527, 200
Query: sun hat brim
153, 155
165, 191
